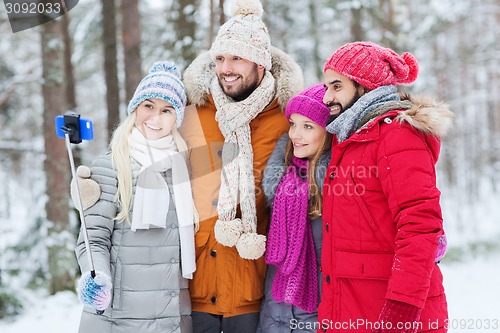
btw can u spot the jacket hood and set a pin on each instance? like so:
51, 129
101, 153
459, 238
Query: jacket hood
427, 115
286, 72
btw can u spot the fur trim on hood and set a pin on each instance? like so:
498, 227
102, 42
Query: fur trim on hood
427, 115
286, 72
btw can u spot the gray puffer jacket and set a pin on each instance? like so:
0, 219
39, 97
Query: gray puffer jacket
149, 292
284, 317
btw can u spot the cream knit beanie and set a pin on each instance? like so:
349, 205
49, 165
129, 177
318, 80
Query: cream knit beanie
244, 35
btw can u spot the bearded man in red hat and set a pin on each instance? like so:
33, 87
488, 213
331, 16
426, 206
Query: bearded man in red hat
382, 223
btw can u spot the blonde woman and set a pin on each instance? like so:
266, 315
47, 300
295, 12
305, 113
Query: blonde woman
141, 228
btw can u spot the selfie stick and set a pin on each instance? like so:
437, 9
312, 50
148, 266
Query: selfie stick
67, 131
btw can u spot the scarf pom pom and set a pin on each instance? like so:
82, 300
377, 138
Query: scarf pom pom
251, 246
228, 232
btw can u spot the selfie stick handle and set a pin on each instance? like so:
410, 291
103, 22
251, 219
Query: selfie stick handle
79, 202
80, 208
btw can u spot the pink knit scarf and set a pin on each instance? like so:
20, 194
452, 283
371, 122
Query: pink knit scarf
290, 245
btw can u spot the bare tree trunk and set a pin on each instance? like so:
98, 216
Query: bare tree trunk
493, 143
69, 78
5, 95
493, 108
222, 16
357, 32
56, 160
317, 59
470, 137
269, 13
386, 19
110, 64
217, 18
185, 28
131, 35
211, 32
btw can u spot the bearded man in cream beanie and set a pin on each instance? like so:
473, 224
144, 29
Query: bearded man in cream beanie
237, 90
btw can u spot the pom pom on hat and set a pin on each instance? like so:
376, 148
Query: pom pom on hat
372, 65
163, 82
309, 104
244, 35
165, 66
412, 63
247, 7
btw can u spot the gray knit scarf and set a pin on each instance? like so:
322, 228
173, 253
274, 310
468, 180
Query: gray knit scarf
347, 122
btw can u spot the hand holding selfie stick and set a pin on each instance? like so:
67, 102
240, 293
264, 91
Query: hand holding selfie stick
70, 126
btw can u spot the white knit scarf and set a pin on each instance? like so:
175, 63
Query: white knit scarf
152, 196
237, 178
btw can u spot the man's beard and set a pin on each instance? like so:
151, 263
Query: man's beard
353, 100
246, 87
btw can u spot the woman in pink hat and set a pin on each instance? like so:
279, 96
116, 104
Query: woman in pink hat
292, 183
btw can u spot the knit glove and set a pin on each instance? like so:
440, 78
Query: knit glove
90, 191
441, 249
95, 292
398, 317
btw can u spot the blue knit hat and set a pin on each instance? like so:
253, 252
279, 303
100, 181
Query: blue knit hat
163, 82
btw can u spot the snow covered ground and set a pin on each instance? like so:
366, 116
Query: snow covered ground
472, 288
473, 294
55, 314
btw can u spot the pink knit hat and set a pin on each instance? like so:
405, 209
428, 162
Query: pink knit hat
309, 104
372, 65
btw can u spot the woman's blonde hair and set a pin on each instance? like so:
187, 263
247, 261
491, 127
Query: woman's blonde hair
120, 157
315, 197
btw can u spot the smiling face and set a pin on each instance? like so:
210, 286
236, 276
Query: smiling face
307, 137
238, 77
341, 93
155, 118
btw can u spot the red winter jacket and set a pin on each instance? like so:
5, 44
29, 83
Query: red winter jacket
382, 220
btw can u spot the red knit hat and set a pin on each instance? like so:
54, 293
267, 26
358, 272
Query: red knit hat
309, 104
372, 65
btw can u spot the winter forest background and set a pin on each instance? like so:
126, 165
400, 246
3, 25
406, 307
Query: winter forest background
91, 60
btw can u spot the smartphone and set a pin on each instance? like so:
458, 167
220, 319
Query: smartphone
78, 128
